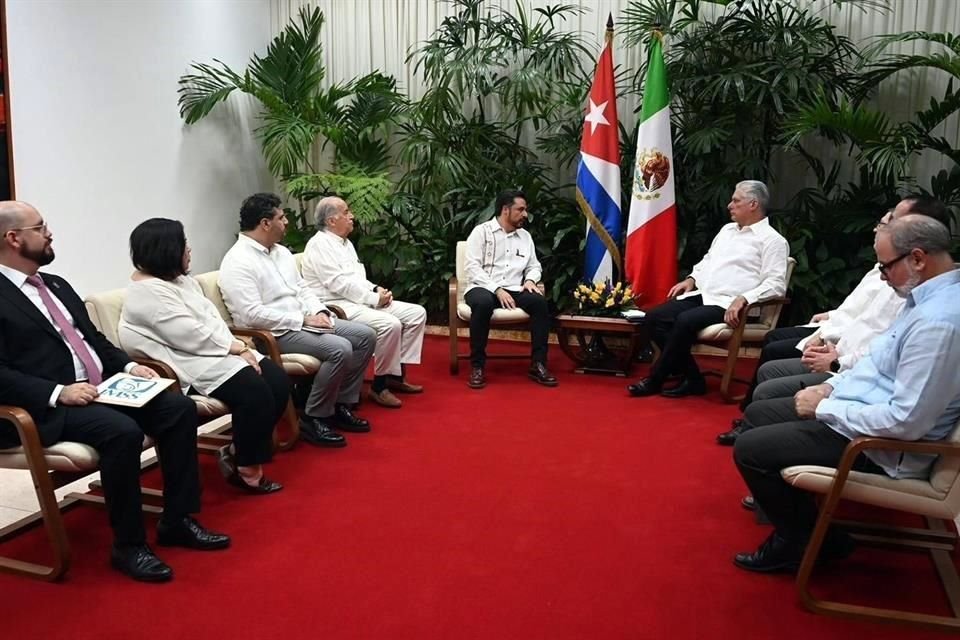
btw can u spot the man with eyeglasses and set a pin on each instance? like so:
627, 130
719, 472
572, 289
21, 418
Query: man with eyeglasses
907, 388
797, 357
51, 360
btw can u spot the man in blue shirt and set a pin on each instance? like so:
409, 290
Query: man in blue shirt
906, 389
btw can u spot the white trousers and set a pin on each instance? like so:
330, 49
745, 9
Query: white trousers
399, 327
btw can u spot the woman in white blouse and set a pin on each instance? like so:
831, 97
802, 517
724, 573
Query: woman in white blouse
166, 317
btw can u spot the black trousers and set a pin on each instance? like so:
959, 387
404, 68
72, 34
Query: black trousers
482, 305
117, 435
257, 402
761, 453
778, 344
674, 326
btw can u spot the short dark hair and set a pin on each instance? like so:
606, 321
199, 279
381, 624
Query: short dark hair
157, 246
505, 199
930, 207
259, 206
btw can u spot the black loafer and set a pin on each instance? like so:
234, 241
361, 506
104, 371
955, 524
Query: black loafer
345, 420
689, 387
140, 563
728, 438
318, 433
775, 555
642, 388
190, 534
477, 379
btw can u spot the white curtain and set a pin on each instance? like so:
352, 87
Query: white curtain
366, 35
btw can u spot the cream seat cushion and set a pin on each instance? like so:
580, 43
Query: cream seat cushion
500, 316
754, 332
61, 456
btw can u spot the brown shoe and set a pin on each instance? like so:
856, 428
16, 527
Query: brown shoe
402, 386
385, 399
539, 374
477, 379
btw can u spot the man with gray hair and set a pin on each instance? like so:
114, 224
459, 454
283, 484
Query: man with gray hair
907, 388
746, 263
332, 270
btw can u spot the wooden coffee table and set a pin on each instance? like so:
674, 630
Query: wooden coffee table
591, 354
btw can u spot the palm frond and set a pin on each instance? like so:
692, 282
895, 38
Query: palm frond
210, 85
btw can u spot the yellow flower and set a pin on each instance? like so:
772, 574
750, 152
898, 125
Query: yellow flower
610, 303
628, 293
617, 288
595, 297
601, 286
583, 289
576, 295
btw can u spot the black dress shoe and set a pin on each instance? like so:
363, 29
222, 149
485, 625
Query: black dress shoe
140, 563
477, 379
727, 438
645, 387
345, 420
689, 387
317, 432
539, 374
775, 555
190, 534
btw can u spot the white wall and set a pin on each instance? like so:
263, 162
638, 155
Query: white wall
99, 145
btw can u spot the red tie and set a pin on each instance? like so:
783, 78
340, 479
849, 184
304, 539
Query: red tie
94, 374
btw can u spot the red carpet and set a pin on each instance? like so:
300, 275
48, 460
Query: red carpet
514, 512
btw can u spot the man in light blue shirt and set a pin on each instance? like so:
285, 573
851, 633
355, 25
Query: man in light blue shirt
906, 389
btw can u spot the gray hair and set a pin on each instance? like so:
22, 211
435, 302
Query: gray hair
756, 190
326, 209
917, 231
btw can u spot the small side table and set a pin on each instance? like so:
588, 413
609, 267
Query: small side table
591, 355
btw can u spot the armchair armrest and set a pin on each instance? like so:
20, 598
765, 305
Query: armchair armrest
337, 311
30, 441
452, 288
265, 341
760, 304
163, 370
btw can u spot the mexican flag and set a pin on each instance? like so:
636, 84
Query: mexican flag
651, 246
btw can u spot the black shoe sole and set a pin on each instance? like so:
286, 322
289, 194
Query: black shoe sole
349, 428
789, 566
544, 383
205, 547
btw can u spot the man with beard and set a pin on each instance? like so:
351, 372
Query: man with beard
51, 360
503, 272
907, 388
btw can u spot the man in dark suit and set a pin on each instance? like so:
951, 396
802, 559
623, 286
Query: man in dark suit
51, 359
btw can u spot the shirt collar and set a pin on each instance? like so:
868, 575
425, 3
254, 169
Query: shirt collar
335, 238
244, 239
757, 227
14, 276
494, 225
923, 291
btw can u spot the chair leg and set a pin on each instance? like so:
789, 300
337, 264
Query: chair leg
728, 374
293, 429
454, 355
52, 517
943, 561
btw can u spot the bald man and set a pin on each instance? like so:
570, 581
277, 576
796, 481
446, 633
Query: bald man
335, 274
51, 360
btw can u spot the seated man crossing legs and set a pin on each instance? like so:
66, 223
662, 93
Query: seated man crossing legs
747, 262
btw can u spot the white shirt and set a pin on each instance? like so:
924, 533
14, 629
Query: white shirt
19, 280
867, 312
332, 271
172, 321
748, 261
497, 259
263, 289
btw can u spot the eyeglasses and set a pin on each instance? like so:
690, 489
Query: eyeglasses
884, 267
42, 227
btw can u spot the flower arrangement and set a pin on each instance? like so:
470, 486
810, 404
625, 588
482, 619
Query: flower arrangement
603, 298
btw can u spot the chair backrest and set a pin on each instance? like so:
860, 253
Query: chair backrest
461, 270
298, 258
104, 310
210, 285
770, 315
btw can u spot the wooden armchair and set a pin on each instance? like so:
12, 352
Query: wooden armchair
937, 498
50, 468
460, 315
756, 321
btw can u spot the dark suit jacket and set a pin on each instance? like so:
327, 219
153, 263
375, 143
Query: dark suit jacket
34, 359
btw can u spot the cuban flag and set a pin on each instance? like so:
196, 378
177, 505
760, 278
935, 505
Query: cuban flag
598, 172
